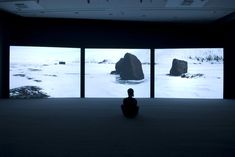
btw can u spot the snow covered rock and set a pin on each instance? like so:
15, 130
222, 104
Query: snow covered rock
179, 67
129, 68
27, 92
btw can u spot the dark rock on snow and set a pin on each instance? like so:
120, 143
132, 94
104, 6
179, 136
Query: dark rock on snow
104, 61
113, 72
179, 67
33, 69
21, 75
187, 75
37, 80
62, 62
129, 68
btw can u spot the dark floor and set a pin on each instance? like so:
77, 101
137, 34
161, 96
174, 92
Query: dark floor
96, 127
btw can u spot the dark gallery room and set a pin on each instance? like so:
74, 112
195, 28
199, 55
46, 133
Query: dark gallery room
117, 78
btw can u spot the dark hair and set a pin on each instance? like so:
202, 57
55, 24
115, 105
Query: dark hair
130, 91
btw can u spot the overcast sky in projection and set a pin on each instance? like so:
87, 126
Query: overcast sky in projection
167, 55
113, 55
34, 54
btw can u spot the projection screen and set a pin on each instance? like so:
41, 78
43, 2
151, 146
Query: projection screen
189, 73
110, 72
44, 72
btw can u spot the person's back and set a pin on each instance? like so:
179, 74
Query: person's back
129, 107
131, 102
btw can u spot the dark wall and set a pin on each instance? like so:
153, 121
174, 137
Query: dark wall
1, 50
115, 34
5, 21
229, 73
90, 33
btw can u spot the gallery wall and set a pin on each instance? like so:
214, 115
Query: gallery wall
116, 34
229, 75
5, 20
1, 42
91, 33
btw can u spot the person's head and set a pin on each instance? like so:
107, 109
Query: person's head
130, 92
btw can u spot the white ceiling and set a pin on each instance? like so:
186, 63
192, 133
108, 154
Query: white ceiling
137, 10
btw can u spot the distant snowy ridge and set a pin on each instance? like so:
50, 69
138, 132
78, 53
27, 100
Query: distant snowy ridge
210, 58
106, 61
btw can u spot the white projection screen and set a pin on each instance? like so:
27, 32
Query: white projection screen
110, 72
194, 73
44, 72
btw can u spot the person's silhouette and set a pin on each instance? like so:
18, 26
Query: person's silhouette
129, 106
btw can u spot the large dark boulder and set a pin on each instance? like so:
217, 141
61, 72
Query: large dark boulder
129, 68
179, 67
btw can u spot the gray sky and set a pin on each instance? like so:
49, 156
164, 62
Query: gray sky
114, 55
33, 54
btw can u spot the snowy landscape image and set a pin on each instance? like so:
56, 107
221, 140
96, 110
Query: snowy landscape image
201, 77
44, 72
54, 72
104, 79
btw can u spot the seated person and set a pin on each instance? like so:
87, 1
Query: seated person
129, 106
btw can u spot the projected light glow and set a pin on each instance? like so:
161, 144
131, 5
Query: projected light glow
99, 64
38, 72
54, 72
204, 77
